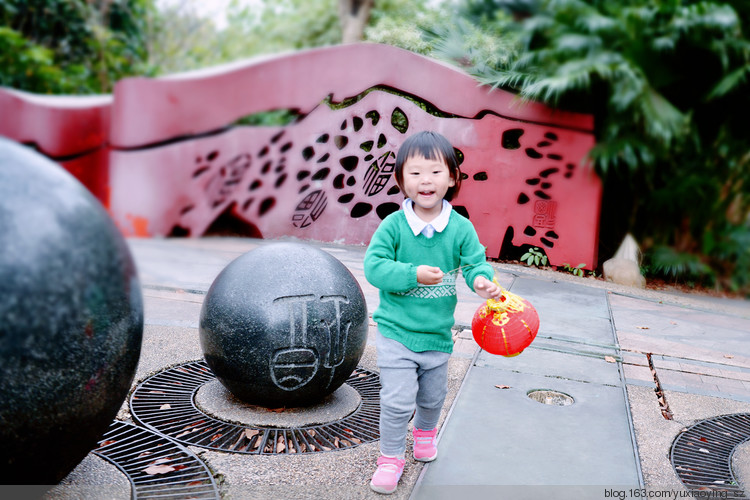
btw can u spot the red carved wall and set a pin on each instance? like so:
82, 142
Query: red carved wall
174, 164
71, 130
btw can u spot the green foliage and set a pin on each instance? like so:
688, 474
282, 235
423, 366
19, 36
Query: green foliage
180, 40
669, 263
534, 257
728, 252
668, 84
25, 65
273, 118
402, 23
71, 46
282, 25
577, 270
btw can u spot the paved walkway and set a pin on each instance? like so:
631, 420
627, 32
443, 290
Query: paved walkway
594, 345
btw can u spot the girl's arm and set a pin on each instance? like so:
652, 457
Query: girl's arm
477, 272
382, 269
486, 288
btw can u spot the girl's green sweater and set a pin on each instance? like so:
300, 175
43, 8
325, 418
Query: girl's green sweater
421, 316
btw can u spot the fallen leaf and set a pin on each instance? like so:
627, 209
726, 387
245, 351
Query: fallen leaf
276, 410
215, 437
280, 446
165, 406
673, 322
311, 432
107, 443
249, 433
729, 356
158, 469
503, 386
199, 422
610, 359
642, 327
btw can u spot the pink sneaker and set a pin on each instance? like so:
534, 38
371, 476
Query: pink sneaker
425, 448
385, 479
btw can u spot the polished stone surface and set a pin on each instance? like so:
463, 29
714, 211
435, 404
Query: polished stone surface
283, 325
71, 319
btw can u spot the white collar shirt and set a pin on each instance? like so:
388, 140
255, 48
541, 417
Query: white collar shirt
428, 229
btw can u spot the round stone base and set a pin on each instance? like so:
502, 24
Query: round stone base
216, 401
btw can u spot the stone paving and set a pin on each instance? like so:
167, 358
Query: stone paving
594, 344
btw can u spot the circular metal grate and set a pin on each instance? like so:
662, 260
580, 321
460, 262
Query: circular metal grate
165, 403
702, 454
550, 397
157, 467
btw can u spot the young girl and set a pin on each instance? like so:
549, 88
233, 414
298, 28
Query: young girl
413, 258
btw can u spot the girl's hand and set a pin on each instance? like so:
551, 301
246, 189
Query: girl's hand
487, 289
428, 275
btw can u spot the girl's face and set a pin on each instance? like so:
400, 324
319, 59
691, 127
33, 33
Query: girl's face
426, 182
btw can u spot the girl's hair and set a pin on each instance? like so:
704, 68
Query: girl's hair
432, 146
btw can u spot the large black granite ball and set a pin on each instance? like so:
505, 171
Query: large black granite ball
71, 319
283, 325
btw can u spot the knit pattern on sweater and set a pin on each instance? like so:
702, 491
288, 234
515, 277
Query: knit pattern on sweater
421, 316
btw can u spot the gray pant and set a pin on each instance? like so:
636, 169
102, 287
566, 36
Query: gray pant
408, 379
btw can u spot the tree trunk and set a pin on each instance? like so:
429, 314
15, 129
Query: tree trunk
354, 15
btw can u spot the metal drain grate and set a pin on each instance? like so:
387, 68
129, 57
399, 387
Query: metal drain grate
701, 456
156, 466
165, 404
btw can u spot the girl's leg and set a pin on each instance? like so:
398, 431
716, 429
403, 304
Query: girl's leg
398, 379
396, 407
433, 387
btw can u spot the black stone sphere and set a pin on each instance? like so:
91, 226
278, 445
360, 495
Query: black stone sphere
283, 325
71, 319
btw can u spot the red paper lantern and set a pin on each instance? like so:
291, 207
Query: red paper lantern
506, 326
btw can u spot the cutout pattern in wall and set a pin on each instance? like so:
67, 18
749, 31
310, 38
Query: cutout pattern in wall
330, 177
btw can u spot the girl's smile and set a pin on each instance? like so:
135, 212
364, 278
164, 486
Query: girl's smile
426, 182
